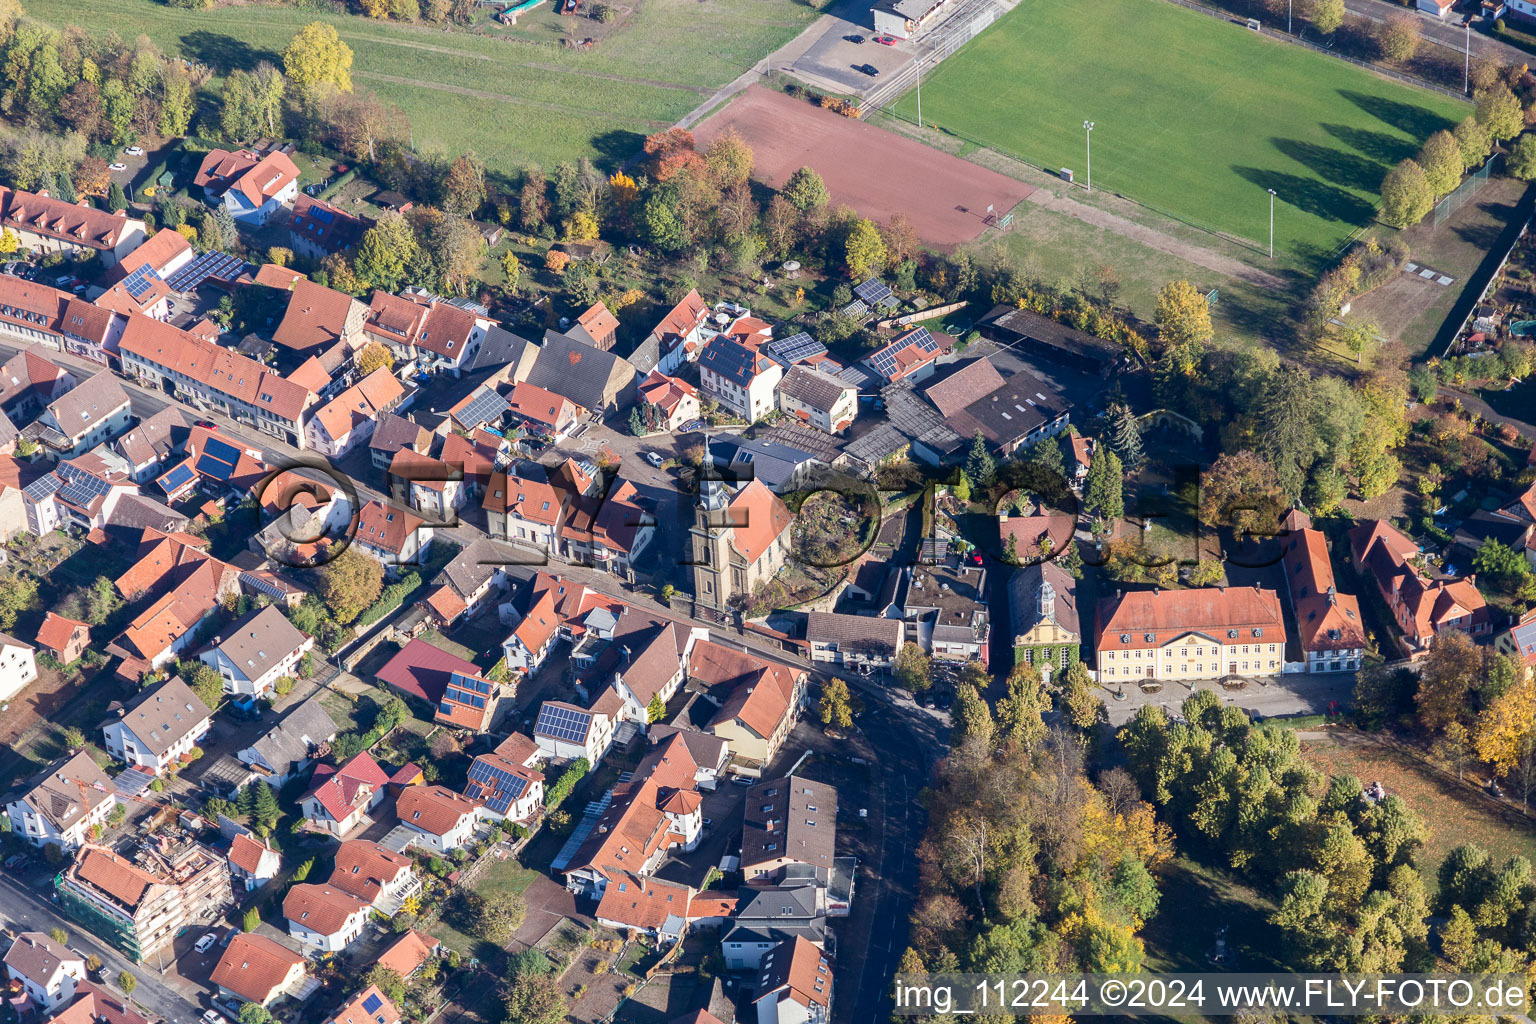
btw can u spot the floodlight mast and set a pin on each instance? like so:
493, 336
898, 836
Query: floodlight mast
1271, 222
1088, 141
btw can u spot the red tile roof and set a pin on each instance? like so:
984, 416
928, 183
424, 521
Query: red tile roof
54, 218
422, 670
219, 368
757, 517
316, 316
434, 809
534, 403
245, 852
1325, 619
386, 527
56, 633
363, 868
643, 903
340, 791
446, 330
355, 1010
1170, 614
253, 967
321, 908
408, 953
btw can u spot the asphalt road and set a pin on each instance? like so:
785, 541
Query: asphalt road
21, 909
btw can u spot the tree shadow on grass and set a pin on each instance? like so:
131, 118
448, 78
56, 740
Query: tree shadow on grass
1419, 122
1335, 165
1379, 146
616, 147
1312, 196
225, 53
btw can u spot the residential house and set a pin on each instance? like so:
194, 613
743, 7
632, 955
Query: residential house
472, 578
611, 532
1189, 634
1031, 538
597, 327
788, 822
1421, 606
710, 753
736, 372
541, 413
795, 986
429, 485
762, 701
394, 536
201, 372
409, 952
65, 639
857, 641
395, 321
1017, 413
348, 420
443, 820
340, 798
566, 731
93, 1004
256, 969
1080, 457
60, 805
157, 728
84, 491
152, 443
380, 878
667, 403
327, 919
1329, 623
648, 906
525, 511
319, 229
680, 335
392, 433
505, 782
96, 410
18, 666
767, 916
252, 862
370, 1006
779, 466
740, 540
449, 338
642, 663
288, 748
165, 252
658, 810
483, 407
911, 356
1519, 640
256, 651
140, 905
319, 318
46, 970
169, 625
1047, 630
249, 186
945, 607
470, 701
591, 378
48, 225
29, 380
818, 399
423, 671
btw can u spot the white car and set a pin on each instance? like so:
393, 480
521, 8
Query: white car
211, 1017
134, 151
654, 459
205, 943
117, 167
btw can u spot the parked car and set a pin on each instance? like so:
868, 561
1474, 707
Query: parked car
205, 943
870, 70
212, 1017
16, 862
886, 40
742, 780
654, 459
117, 167
134, 151
854, 38
205, 424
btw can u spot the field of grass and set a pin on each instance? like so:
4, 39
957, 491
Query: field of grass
1193, 115
512, 102
1456, 813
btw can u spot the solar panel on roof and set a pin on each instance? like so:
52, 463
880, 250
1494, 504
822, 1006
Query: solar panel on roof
210, 466
797, 347
215, 264
875, 293
372, 1003
221, 450
43, 486
486, 406
176, 479
496, 786
82, 490
563, 723
141, 281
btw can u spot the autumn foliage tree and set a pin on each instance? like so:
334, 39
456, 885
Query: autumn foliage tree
349, 583
670, 152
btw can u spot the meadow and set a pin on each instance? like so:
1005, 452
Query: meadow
1193, 116
510, 101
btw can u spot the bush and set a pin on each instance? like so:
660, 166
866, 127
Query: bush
555, 795
392, 597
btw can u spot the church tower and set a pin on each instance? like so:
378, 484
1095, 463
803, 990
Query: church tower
711, 535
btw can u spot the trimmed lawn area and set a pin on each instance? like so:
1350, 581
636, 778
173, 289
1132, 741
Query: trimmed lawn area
1194, 116
511, 102
1456, 813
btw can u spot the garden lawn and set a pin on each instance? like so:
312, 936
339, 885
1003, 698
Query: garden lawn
510, 102
1194, 116
1454, 813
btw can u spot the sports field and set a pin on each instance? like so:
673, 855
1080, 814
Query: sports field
511, 102
1193, 115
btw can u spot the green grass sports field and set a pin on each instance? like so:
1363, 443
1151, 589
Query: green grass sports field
511, 102
1193, 115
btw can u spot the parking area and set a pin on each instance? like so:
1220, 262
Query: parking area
832, 59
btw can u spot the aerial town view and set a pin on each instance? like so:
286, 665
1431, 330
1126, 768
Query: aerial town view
713, 511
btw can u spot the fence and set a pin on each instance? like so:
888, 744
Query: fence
945, 40
1463, 193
